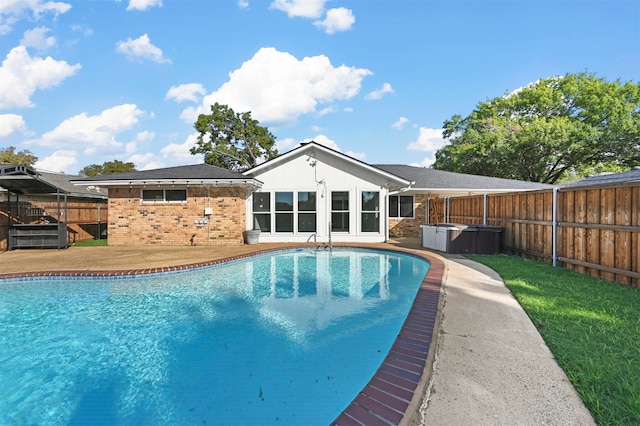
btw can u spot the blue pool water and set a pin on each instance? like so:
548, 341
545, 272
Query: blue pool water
283, 338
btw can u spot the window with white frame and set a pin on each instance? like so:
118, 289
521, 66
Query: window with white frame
164, 195
285, 214
262, 211
370, 211
340, 211
284, 211
307, 212
401, 206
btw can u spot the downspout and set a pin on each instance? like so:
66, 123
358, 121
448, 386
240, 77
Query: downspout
485, 198
448, 210
427, 210
554, 232
386, 215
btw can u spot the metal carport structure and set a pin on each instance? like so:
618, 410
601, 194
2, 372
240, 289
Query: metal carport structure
24, 180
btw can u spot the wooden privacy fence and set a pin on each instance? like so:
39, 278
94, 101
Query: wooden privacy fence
592, 230
85, 220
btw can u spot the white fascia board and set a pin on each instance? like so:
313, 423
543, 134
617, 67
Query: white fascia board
164, 182
460, 192
310, 146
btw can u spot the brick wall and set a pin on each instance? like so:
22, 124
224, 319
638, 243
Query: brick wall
132, 222
410, 227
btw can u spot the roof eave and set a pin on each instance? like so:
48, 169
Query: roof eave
400, 182
163, 182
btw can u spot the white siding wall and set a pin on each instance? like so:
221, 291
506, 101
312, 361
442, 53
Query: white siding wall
329, 174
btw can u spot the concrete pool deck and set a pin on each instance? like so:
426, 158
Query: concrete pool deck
487, 365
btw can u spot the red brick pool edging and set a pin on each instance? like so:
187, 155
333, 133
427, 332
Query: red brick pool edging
388, 395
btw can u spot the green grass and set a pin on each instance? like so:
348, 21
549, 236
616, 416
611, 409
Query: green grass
90, 243
592, 327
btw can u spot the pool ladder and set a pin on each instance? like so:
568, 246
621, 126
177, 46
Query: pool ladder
324, 246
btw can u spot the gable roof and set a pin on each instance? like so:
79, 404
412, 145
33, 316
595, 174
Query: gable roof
311, 149
445, 183
183, 175
632, 175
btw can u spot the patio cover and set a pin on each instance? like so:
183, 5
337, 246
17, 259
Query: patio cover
24, 180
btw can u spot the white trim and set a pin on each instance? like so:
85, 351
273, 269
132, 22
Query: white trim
311, 146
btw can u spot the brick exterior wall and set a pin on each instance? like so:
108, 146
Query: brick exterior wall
410, 227
132, 222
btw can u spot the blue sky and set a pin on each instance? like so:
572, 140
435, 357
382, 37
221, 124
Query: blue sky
84, 82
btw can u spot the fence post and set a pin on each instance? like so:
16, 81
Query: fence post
554, 228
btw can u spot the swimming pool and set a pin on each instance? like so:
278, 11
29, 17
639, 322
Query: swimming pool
281, 338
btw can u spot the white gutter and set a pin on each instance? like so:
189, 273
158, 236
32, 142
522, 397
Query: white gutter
163, 182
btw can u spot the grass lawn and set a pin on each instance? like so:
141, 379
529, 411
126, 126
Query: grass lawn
90, 243
592, 327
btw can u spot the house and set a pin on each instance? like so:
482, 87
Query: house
184, 205
309, 194
314, 193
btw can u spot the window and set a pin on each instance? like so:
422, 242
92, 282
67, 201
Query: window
306, 212
284, 211
370, 211
400, 205
262, 211
340, 211
164, 195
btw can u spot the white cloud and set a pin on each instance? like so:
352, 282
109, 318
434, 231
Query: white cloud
379, 93
143, 4
277, 88
59, 161
11, 11
174, 154
145, 136
11, 124
242, 4
400, 123
141, 137
85, 31
325, 111
21, 75
286, 144
141, 49
429, 140
179, 153
146, 161
426, 162
300, 8
338, 19
186, 92
37, 38
325, 141
93, 134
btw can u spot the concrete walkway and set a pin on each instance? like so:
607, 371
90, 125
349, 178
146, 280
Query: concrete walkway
492, 366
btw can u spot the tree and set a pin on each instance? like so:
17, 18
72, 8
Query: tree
232, 140
108, 168
10, 156
548, 130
